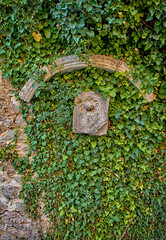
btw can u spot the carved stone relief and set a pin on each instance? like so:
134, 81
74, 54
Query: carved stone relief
90, 114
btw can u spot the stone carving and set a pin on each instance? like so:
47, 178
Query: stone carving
90, 114
71, 63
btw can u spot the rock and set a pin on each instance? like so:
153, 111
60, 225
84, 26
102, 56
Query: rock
7, 236
17, 226
7, 137
14, 222
21, 148
1, 139
19, 206
10, 191
17, 178
20, 121
8, 122
10, 170
1, 178
15, 104
3, 207
21, 135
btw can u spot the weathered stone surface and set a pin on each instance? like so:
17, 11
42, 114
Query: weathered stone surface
9, 169
19, 206
17, 227
21, 148
71, 63
20, 121
17, 178
10, 192
14, 222
91, 114
7, 236
3, 207
1, 178
14, 107
28, 91
7, 137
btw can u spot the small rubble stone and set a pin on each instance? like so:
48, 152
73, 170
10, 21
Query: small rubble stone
20, 121
7, 137
15, 104
8, 122
3, 207
14, 222
1, 178
19, 206
17, 226
7, 236
17, 178
10, 170
10, 192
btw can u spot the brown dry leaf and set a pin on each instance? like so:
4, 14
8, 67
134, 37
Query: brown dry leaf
37, 36
146, 107
71, 135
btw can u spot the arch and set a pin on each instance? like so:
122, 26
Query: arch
71, 63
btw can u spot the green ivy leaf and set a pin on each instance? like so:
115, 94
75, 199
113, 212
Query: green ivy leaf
88, 6
62, 213
47, 33
93, 144
90, 33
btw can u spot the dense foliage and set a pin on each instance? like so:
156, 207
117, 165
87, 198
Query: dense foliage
108, 187
33, 33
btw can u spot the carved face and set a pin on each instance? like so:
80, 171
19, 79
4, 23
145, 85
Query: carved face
91, 114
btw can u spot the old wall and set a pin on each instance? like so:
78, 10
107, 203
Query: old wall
14, 221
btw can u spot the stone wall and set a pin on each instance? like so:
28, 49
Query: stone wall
14, 221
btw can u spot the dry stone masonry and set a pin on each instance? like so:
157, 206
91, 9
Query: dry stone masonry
14, 222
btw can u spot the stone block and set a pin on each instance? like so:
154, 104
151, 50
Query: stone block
91, 114
71, 63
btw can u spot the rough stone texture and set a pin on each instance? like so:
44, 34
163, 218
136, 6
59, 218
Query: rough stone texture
91, 114
10, 118
71, 63
14, 221
16, 226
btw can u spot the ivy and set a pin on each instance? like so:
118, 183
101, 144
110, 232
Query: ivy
107, 187
95, 186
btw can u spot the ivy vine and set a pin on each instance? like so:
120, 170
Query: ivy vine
108, 187
95, 186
